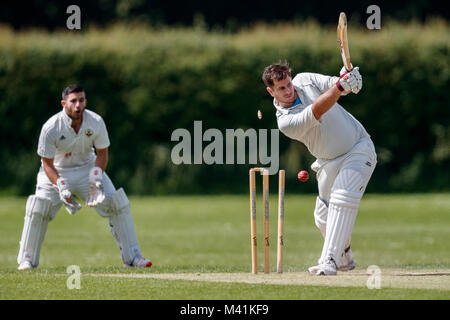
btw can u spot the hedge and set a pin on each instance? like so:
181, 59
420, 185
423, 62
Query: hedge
147, 82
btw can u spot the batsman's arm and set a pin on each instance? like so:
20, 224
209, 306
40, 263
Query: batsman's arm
320, 81
50, 169
325, 101
102, 158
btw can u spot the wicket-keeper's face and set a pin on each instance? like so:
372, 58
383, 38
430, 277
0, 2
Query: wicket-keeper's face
283, 91
74, 105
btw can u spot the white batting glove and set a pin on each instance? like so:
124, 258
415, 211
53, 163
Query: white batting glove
359, 81
96, 190
346, 82
344, 71
350, 81
66, 196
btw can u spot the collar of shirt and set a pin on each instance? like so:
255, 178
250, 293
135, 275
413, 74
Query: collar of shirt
67, 120
297, 103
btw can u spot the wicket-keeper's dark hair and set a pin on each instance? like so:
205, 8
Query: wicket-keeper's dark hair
71, 89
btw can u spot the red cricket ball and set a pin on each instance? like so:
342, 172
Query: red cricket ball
303, 176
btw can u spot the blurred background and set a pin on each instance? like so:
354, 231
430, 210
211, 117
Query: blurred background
150, 67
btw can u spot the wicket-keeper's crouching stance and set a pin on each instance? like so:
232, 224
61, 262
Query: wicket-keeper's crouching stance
307, 111
71, 167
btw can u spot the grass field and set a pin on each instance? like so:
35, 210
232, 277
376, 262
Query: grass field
200, 247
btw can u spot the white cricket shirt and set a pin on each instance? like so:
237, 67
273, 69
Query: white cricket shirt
70, 150
334, 134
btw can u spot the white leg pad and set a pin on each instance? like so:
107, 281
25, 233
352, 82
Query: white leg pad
37, 215
339, 229
122, 227
342, 212
320, 215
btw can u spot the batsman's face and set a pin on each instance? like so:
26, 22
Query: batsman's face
283, 91
74, 105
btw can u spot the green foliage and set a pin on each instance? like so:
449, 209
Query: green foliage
148, 82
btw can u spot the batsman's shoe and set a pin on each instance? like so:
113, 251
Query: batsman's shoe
328, 268
347, 261
139, 262
25, 265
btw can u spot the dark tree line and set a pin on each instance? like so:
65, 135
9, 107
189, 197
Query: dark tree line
230, 14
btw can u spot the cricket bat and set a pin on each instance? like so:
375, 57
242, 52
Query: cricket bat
343, 41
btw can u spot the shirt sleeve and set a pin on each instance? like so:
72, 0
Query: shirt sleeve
320, 81
47, 143
296, 125
102, 140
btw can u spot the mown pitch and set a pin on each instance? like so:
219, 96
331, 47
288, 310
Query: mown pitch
389, 278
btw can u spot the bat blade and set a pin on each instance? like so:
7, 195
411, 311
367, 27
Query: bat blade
343, 41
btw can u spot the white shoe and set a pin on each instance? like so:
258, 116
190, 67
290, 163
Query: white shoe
25, 265
314, 270
325, 269
139, 262
347, 261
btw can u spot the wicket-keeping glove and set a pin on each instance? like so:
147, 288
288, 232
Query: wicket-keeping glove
66, 196
96, 190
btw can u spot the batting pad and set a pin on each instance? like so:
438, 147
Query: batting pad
122, 227
339, 229
342, 212
37, 216
320, 215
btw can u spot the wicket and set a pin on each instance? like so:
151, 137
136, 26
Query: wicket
280, 244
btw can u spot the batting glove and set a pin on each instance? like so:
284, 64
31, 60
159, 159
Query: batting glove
96, 190
358, 78
66, 196
344, 71
350, 81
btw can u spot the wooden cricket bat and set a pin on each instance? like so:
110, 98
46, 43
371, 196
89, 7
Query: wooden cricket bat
343, 41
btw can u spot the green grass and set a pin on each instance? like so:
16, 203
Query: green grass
205, 234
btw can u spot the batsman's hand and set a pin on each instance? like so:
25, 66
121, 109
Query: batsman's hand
350, 81
66, 196
96, 190
344, 71
357, 75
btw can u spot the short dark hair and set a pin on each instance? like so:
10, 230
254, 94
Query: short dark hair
277, 71
71, 89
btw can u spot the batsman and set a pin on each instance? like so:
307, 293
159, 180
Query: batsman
307, 110
71, 166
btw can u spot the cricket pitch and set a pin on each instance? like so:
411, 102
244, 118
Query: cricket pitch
389, 278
